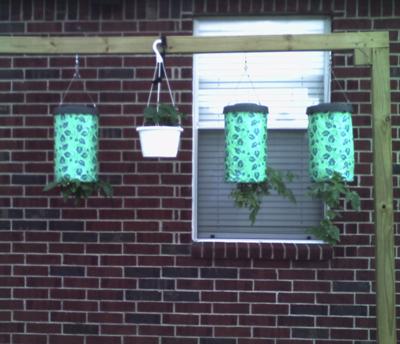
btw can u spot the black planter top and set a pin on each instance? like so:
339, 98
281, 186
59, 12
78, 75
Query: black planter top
76, 109
330, 107
246, 107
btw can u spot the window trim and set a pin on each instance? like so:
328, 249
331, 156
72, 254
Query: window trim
196, 127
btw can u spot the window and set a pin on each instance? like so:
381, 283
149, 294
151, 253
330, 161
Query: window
286, 82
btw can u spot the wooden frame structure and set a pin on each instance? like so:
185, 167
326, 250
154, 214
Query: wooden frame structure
370, 48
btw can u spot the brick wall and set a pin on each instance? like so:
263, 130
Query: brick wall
124, 270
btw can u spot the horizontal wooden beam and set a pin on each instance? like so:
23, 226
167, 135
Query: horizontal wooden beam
326, 42
75, 45
190, 45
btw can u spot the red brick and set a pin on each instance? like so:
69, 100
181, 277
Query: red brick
257, 320
273, 332
36, 293
156, 261
296, 298
81, 282
141, 340
116, 214
105, 317
43, 305
386, 24
80, 306
30, 316
236, 308
68, 317
125, 260
11, 304
43, 328
104, 340
256, 341
5, 86
235, 331
67, 294
181, 319
233, 285
65, 339
29, 338
195, 284
269, 308
122, 330
198, 331
115, 306
147, 249
214, 319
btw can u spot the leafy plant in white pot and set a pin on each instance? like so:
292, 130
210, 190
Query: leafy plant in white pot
161, 132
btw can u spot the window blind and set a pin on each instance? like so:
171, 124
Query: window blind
217, 216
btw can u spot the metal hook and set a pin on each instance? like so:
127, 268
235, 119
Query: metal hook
76, 74
159, 58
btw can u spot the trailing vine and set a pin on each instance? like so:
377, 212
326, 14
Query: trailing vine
250, 195
330, 192
80, 190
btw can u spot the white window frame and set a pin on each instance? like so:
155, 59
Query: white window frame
197, 126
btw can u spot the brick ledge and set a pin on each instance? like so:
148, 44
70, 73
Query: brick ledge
264, 251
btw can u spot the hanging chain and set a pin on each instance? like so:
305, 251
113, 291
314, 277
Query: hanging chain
76, 77
247, 74
246, 70
336, 80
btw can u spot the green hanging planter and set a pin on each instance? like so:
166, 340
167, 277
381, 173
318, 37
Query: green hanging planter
76, 143
330, 135
245, 143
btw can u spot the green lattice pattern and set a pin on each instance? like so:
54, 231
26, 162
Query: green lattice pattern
331, 145
246, 147
75, 147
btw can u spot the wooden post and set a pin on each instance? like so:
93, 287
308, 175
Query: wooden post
383, 198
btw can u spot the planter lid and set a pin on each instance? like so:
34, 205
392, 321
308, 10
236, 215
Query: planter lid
329, 107
76, 109
246, 107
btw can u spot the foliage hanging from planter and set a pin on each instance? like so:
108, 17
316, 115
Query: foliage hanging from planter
330, 192
246, 158
75, 152
331, 164
250, 195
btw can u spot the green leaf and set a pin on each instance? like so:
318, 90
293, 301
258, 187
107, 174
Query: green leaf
250, 195
80, 190
51, 186
106, 188
166, 114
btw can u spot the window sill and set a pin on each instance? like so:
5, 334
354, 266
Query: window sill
262, 251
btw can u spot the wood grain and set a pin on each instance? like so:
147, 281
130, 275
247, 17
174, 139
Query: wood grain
383, 198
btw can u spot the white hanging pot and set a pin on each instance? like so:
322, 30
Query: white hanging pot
159, 141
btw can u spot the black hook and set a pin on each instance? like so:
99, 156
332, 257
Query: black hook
160, 71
